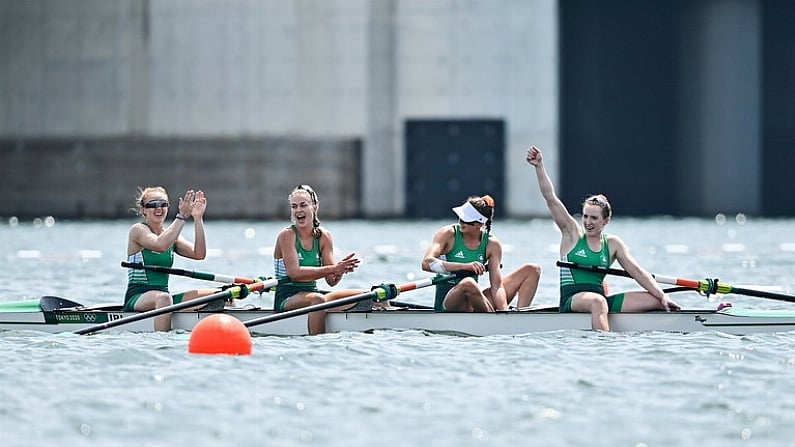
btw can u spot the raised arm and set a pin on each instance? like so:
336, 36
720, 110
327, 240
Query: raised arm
141, 236
569, 226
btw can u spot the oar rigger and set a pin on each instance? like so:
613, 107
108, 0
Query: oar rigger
385, 292
711, 287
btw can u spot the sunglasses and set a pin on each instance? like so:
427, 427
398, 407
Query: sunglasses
157, 203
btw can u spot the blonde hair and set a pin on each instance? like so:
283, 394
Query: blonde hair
602, 202
138, 205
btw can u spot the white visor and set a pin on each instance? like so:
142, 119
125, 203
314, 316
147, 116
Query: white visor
468, 213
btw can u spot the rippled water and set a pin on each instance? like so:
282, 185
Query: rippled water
400, 387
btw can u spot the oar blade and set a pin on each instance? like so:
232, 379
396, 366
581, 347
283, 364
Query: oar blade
50, 303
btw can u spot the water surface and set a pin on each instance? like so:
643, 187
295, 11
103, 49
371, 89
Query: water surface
400, 387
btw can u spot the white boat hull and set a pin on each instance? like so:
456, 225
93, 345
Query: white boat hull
732, 321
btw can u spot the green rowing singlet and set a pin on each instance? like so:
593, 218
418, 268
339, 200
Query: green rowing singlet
581, 253
459, 253
574, 281
140, 280
306, 258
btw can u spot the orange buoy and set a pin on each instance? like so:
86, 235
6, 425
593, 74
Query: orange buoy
220, 334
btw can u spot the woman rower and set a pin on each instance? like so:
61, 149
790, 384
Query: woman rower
150, 242
469, 248
304, 252
580, 290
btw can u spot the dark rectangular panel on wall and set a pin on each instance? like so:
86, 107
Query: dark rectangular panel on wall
778, 109
450, 160
617, 106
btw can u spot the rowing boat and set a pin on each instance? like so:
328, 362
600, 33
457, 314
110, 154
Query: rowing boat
34, 315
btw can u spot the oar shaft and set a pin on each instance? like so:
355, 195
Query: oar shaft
232, 292
693, 284
314, 308
217, 277
759, 293
708, 286
423, 283
378, 293
617, 272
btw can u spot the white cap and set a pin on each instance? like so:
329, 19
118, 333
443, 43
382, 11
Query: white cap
468, 213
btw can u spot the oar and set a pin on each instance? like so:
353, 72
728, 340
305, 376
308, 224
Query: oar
189, 273
50, 303
232, 292
381, 292
44, 304
708, 286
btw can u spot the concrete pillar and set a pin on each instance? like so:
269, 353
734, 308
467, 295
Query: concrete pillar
719, 151
383, 166
135, 29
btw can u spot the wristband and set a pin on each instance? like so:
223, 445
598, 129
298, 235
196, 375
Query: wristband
181, 217
437, 267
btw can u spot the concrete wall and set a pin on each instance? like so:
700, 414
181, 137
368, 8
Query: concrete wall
257, 67
320, 70
465, 59
99, 177
66, 67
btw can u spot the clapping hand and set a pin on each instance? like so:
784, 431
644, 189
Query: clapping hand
187, 202
199, 206
348, 264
